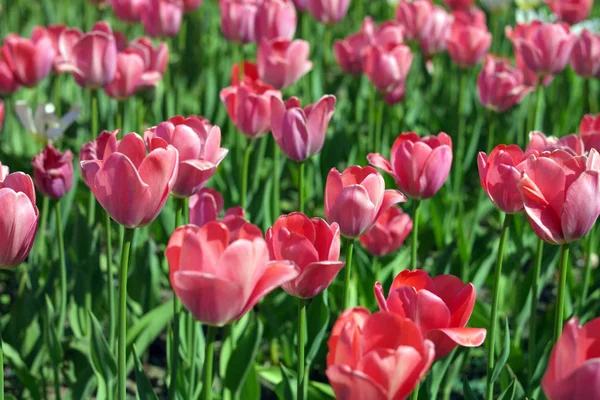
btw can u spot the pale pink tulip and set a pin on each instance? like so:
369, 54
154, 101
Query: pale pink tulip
435, 32
131, 75
281, 62
328, 11
162, 18
540, 142
238, 18
275, 19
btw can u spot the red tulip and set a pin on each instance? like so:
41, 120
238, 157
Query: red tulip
128, 10
155, 58
420, 166
458, 4
540, 142
162, 17
499, 85
585, 56
312, 245
281, 62
53, 172
219, 280
439, 306
356, 198
561, 194
435, 32
300, 132
500, 173
349, 52
249, 74
8, 83
129, 184
589, 131
131, 76
328, 11
207, 204
413, 16
191, 5
237, 19
275, 19
571, 11
18, 217
379, 356
388, 233
573, 371
467, 44
199, 147
30, 60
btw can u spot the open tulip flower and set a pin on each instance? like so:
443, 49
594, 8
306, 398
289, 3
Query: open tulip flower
468, 44
571, 11
219, 280
349, 52
30, 60
585, 56
206, 206
589, 131
573, 371
388, 233
53, 172
130, 76
379, 356
281, 62
420, 166
540, 142
439, 306
499, 85
131, 185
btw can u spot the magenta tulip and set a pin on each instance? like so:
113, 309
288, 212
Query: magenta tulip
162, 18
458, 4
206, 206
499, 85
275, 19
8, 83
585, 56
571, 11
30, 60
191, 5
413, 16
281, 62
53, 172
128, 10
388, 233
349, 52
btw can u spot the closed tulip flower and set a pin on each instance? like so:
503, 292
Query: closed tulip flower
413, 16
561, 194
206, 206
312, 245
516, 35
8, 83
378, 356
585, 56
470, 16
499, 85
30, 60
52, 32
219, 280
281, 62
237, 20
439, 306
328, 11
162, 18
420, 166
349, 52
199, 147
571, 11
131, 76
500, 173
468, 44
589, 131
129, 184
435, 32
53, 172
573, 371
356, 198
18, 217
540, 142
388, 233
275, 19
458, 4
128, 10
300, 132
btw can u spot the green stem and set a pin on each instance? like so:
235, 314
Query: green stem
94, 133
301, 194
587, 275
1, 367
56, 382
348, 268
591, 99
301, 338
538, 121
193, 346
460, 146
415, 393
371, 134
533, 312
122, 344
109, 281
121, 116
245, 167
41, 238
379, 125
208, 362
492, 131
562, 286
62, 309
495, 303
415, 234
276, 187
179, 210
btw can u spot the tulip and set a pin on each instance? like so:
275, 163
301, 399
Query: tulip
8, 83
275, 19
18, 217
356, 198
301, 5
53, 172
458, 4
420, 166
467, 44
540, 142
129, 184
191, 5
388, 233
207, 204
571, 11
573, 371
349, 52
378, 356
435, 32
589, 131
525, 32
30, 60
52, 32
155, 58
585, 56
499, 85
470, 16
300, 132
162, 17
439, 306
44, 125
131, 76
328, 11
128, 10
237, 19
413, 17
281, 62
199, 147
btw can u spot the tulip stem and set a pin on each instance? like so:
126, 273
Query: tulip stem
495, 303
533, 312
122, 344
492, 131
538, 121
41, 238
109, 281
94, 131
301, 199
378, 125
208, 362
62, 309
301, 339
562, 283
415, 234
276, 187
192, 345
349, 250
372, 99
587, 275
247, 153
179, 210
415, 392
1, 367
460, 146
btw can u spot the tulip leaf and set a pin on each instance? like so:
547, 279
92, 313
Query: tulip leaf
439, 370
286, 389
510, 391
317, 316
144, 387
251, 388
242, 357
504, 354
103, 360
467, 392
51, 336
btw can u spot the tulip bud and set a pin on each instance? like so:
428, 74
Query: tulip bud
53, 172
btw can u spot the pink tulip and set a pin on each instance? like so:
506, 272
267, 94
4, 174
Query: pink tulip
413, 16
191, 5
547, 48
162, 17
540, 143
585, 56
131, 76
129, 184
349, 52
470, 16
388, 233
18, 217
53, 172
499, 85
571, 11
281, 62
573, 371
275, 19
219, 280
8, 83
356, 198
301, 5
525, 32
30, 60
589, 131
379, 356
420, 166
561, 194
300, 132
199, 147
155, 58
128, 10
435, 32
328, 11
207, 204
468, 44
53, 33
458, 4
500, 173
237, 19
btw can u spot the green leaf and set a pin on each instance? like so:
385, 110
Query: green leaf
286, 389
144, 388
509, 392
251, 388
22, 371
317, 317
103, 360
504, 354
242, 358
467, 392
439, 372
51, 336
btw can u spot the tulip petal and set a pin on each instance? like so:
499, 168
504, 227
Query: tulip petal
582, 206
315, 278
18, 224
435, 171
353, 211
348, 384
418, 279
447, 339
379, 161
431, 311
584, 383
